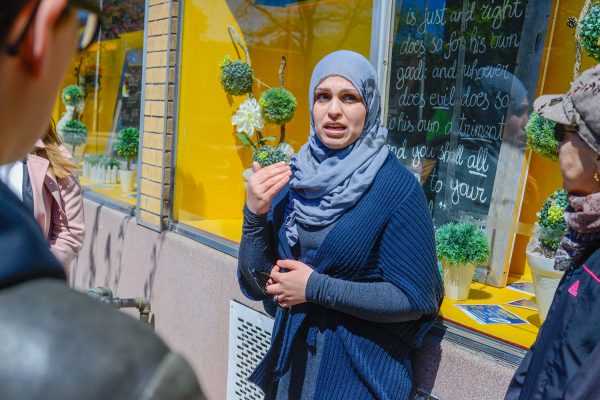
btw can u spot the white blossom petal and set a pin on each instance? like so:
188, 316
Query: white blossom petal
248, 117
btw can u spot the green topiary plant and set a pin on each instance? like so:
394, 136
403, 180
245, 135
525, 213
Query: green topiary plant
127, 143
551, 222
460, 243
267, 155
590, 32
72, 95
74, 133
236, 76
277, 105
540, 136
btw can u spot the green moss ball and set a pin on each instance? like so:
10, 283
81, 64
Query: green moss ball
74, 133
590, 32
540, 136
71, 95
268, 155
236, 77
277, 105
127, 143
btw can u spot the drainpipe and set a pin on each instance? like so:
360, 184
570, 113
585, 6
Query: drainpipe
105, 295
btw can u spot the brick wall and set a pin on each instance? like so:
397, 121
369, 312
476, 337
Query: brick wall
157, 136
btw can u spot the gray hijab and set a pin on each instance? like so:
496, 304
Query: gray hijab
325, 182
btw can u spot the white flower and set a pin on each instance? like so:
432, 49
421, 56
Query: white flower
286, 149
248, 117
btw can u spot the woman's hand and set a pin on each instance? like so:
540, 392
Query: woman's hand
264, 184
289, 288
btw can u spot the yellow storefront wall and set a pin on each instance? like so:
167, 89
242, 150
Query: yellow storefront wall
209, 190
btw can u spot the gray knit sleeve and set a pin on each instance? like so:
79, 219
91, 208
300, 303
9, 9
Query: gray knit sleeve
371, 301
255, 254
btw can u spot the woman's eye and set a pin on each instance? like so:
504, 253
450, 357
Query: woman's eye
351, 98
322, 97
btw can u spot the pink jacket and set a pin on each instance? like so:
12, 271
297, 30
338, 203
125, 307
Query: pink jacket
57, 207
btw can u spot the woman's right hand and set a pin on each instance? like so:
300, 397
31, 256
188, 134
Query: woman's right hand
264, 184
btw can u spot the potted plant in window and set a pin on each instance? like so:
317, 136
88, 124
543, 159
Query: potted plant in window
460, 247
549, 230
126, 146
550, 225
75, 134
73, 99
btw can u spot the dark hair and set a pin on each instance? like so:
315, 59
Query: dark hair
9, 9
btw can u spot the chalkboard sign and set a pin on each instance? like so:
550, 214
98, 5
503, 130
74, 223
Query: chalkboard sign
462, 77
131, 90
128, 106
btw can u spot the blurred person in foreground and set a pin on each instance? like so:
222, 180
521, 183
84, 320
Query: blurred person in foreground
58, 343
564, 362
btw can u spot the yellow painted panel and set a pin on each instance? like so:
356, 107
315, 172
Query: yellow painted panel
209, 191
521, 335
110, 190
556, 76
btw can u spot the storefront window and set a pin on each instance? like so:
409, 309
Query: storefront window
209, 189
102, 91
470, 155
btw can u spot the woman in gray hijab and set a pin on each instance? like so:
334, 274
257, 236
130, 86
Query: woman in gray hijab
339, 246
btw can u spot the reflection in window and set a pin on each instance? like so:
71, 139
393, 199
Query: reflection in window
108, 75
454, 148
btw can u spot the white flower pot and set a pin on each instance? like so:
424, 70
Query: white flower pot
545, 277
127, 179
457, 280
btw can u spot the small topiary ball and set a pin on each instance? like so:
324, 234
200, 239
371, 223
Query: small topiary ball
74, 133
277, 105
551, 220
236, 76
461, 243
590, 32
540, 136
72, 95
268, 155
127, 143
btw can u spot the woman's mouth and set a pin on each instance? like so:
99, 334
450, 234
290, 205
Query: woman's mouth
335, 130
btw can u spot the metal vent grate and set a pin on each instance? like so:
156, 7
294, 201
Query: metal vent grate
249, 339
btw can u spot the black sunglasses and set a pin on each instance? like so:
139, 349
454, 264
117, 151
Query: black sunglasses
262, 284
88, 17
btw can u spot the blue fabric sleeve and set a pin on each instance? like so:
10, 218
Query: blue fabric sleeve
255, 254
371, 301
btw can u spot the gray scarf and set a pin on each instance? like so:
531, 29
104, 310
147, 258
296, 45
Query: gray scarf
583, 238
325, 182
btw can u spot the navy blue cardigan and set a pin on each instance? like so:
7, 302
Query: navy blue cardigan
387, 236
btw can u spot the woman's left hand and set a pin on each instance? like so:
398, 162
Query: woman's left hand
289, 288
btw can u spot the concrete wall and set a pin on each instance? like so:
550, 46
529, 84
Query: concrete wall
190, 285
